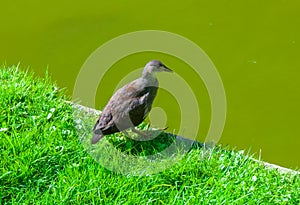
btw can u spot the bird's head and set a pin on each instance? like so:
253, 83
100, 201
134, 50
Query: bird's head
155, 66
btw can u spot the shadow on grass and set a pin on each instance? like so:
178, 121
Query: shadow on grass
125, 153
128, 142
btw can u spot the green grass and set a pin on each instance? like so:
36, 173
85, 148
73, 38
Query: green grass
44, 162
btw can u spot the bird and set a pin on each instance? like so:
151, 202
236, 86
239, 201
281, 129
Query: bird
129, 105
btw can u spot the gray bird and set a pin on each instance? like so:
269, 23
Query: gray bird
130, 105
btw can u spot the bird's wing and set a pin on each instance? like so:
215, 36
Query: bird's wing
104, 122
126, 108
141, 105
114, 112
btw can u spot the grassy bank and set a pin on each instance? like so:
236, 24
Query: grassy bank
43, 161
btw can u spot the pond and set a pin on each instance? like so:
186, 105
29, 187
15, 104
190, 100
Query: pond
254, 45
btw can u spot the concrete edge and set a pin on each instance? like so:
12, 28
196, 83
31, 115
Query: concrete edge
267, 165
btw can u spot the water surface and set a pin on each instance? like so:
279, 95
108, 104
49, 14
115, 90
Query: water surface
254, 45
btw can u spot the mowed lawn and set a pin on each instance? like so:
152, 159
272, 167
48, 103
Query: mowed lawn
44, 162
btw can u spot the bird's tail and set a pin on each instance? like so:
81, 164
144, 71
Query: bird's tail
96, 138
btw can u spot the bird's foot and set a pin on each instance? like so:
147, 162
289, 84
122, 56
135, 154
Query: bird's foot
142, 134
145, 135
162, 129
148, 134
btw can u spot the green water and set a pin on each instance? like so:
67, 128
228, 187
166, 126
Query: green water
255, 46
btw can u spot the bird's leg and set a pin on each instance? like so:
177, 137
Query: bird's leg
143, 135
148, 126
125, 133
162, 129
138, 132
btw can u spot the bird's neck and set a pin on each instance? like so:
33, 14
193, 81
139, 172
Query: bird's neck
150, 79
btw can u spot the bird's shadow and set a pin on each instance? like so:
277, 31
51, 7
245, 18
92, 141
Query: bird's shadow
128, 144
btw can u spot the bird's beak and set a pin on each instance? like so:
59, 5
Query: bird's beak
166, 69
